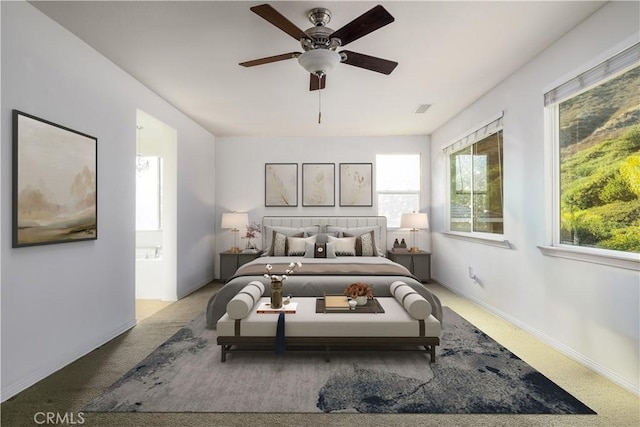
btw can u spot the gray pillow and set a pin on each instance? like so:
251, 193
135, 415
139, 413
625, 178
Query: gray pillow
313, 250
322, 237
415, 304
241, 305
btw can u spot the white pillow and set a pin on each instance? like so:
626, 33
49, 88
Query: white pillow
241, 305
345, 246
417, 307
298, 245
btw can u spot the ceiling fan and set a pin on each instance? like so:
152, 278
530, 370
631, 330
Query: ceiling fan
321, 42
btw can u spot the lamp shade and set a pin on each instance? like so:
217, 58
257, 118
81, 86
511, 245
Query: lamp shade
235, 220
414, 220
317, 60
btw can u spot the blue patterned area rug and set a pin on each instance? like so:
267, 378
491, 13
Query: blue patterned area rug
472, 374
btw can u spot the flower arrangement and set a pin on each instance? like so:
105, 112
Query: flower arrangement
359, 289
281, 277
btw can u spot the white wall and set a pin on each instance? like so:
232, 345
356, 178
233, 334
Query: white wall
62, 301
588, 311
240, 174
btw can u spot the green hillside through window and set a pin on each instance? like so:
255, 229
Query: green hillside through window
600, 165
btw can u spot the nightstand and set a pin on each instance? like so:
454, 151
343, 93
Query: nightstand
229, 262
418, 263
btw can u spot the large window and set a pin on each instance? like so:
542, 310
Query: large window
596, 133
476, 176
397, 185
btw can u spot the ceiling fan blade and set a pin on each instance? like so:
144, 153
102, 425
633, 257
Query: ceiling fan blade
366, 23
369, 62
276, 18
315, 83
270, 59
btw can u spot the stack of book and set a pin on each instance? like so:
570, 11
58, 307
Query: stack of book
336, 302
265, 307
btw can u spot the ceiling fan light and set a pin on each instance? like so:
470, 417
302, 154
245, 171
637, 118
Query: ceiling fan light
319, 60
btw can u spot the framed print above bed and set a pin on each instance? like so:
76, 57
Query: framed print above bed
54, 183
281, 184
318, 184
355, 184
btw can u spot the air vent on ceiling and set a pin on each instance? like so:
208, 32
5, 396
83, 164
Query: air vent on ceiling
422, 108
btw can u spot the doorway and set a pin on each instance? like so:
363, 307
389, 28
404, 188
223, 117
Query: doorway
156, 215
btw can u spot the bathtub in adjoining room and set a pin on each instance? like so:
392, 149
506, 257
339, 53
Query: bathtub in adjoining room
150, 265
149, 278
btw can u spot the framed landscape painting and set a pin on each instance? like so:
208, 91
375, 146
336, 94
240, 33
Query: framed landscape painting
318, 184
54, 183
281, 184
355, 184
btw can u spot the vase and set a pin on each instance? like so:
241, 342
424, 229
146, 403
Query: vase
361, 300
276, 294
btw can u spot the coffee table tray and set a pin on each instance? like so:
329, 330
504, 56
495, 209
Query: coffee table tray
372, 306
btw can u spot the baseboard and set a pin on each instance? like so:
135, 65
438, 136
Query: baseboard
54, 366
550, 341
191, 290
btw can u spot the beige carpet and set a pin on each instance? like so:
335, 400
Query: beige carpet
71, 388
148, 307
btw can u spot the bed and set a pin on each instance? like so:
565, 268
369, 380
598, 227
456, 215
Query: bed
335, 251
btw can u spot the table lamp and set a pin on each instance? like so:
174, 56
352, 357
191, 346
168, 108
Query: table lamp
414, 221
233, 221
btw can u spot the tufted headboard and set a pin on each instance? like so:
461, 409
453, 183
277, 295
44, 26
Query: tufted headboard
339, 221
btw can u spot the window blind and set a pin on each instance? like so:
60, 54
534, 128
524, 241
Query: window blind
481, 132
623, 60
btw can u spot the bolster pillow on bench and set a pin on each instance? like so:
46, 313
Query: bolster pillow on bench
240, 306
418, 307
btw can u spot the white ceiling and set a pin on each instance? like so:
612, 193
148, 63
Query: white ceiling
449, 54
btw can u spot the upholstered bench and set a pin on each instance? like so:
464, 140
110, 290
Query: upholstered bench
406, 324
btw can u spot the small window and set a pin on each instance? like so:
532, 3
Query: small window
397, 186
476, 181
476, 187
149, 194
594, 123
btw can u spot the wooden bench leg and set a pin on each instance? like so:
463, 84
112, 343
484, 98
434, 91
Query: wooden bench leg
431, 349
223, 353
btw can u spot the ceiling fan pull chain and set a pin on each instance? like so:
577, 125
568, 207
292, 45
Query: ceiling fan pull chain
319, 99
